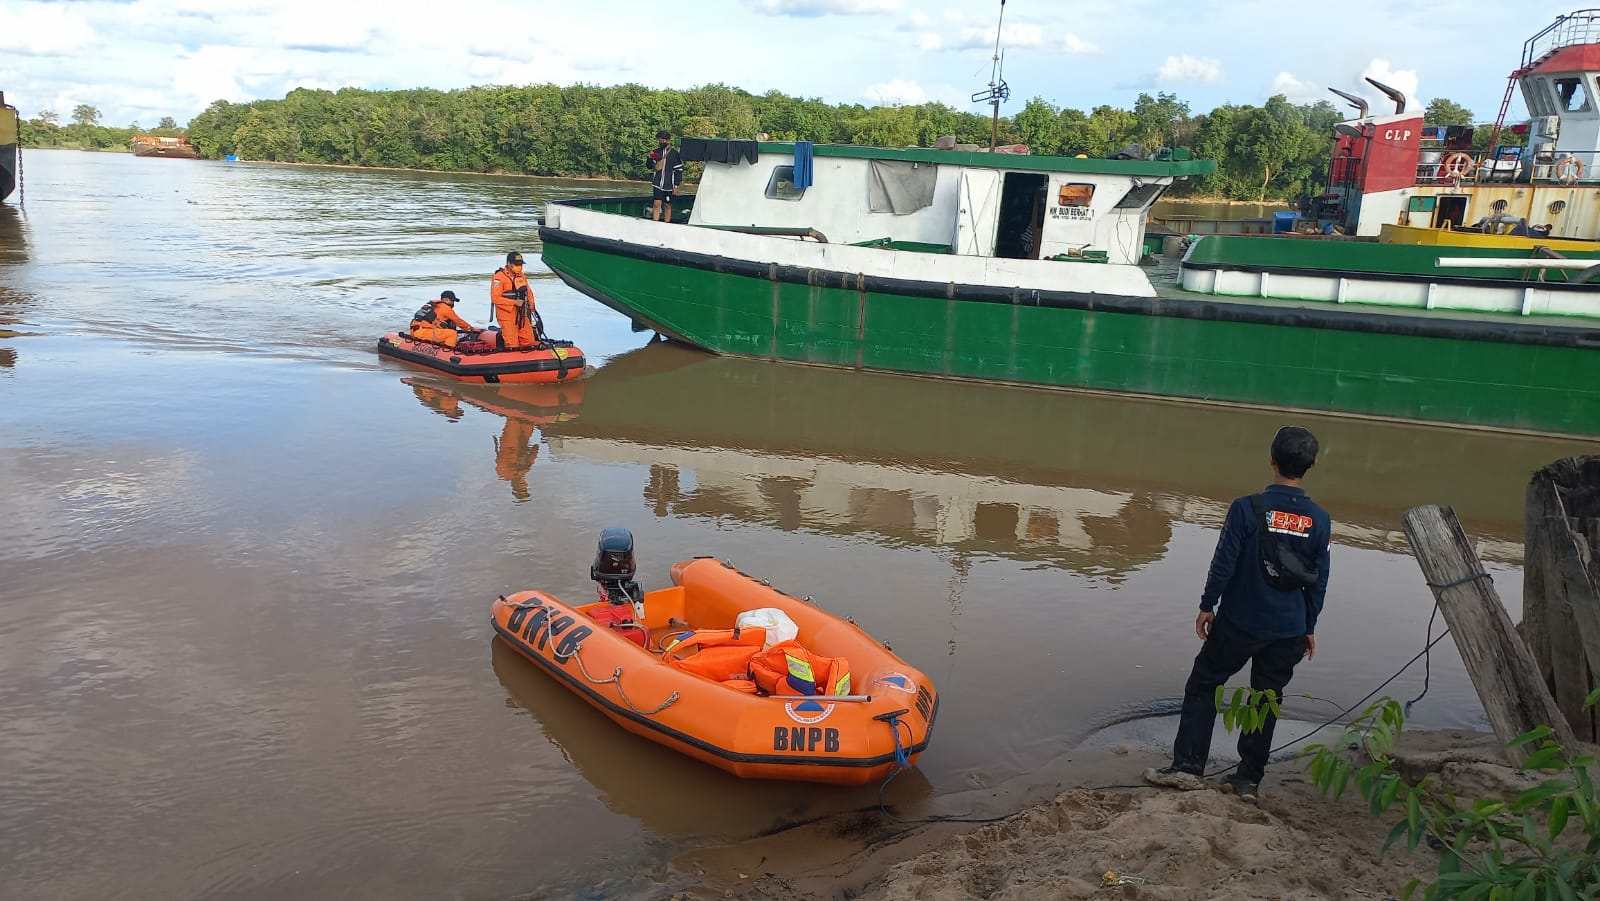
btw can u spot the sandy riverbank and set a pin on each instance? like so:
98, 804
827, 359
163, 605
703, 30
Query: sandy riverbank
1186, 845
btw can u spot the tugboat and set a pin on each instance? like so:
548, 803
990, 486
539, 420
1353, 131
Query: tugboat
1393, 178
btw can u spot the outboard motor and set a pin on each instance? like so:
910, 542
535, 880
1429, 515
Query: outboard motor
613, 570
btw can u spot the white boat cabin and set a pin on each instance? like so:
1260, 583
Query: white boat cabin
1013, 206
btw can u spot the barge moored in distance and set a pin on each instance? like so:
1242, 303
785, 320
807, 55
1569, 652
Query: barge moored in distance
177, 148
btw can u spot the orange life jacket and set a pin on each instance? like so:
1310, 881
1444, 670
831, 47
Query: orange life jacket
509, 291
786, 668
437, 315
723, 655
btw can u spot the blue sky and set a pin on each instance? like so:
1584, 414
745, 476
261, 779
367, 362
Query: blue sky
139, 60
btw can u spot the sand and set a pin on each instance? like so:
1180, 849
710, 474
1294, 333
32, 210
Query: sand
1295, 844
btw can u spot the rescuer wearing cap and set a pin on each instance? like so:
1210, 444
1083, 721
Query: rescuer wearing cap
437, 321
513, 304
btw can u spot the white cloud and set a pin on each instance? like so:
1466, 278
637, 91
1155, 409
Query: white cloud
896, 93
210, 73
977, 37
37, 30
811, 8
1403, 80
1190, 68
1297, 91
1071, 43
929, 40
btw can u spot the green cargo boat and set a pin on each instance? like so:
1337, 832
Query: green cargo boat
1025, 269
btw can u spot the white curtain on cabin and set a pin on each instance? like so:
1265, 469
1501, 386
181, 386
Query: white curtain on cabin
900, 187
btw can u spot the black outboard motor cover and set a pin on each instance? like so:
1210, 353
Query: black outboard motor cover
614, 566
614, 558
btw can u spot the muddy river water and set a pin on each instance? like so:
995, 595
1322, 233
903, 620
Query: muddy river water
245, 565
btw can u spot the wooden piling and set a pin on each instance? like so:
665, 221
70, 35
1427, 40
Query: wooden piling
1502, 670
1561, 585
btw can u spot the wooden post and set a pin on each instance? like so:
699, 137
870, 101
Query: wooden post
1561, 584
1502, 671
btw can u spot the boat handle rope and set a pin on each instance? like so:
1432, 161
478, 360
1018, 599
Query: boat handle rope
616, 675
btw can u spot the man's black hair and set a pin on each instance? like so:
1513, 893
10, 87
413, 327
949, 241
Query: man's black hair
1294, 450
663, 133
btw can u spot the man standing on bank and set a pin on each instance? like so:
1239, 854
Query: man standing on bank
666, 168
1270, 574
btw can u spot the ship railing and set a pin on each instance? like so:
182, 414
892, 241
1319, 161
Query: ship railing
1558, 167
1572, 29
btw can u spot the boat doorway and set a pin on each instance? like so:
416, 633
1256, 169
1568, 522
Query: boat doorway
1451, 211
1021, 225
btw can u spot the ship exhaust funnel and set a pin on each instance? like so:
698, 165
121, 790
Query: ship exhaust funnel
1359, 103
1398, 98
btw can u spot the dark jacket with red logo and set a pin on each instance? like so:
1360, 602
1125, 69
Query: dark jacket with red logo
1236, 580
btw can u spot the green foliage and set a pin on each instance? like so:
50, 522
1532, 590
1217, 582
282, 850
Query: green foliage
85, 132
1247, 709
1276, 150
1443, 111
1544, 843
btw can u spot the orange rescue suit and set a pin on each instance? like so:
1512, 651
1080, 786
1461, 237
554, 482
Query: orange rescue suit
437, 322
513, 307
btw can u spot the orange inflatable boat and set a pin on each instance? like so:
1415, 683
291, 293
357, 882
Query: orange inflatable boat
479, 361
831, 704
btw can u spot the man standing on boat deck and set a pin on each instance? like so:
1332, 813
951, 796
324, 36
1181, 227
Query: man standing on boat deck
666, 167
513, 304
1270, 574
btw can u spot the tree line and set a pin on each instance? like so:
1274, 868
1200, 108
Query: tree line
1276, 150
85, 132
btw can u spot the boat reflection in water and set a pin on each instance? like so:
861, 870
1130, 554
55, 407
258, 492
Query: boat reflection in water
13, 252
1089, 483
523, 407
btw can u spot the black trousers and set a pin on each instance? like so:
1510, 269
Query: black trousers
1224, 653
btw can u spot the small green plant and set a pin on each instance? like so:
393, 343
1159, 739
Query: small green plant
1542, 844
1247, 709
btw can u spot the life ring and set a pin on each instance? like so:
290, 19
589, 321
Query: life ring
1455, 165
1569, 169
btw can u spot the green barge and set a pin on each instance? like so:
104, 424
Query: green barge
1024, 269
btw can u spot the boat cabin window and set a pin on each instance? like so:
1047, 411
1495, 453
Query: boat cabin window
781, 185
1574, 98
1536, 91
1075, 195
1140, 196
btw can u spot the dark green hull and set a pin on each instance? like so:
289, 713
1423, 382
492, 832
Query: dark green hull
8, 170
1486, 371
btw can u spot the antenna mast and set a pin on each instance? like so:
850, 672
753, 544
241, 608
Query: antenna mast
998, 89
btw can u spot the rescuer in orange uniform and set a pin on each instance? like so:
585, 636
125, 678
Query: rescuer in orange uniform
437, 321
513, 304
